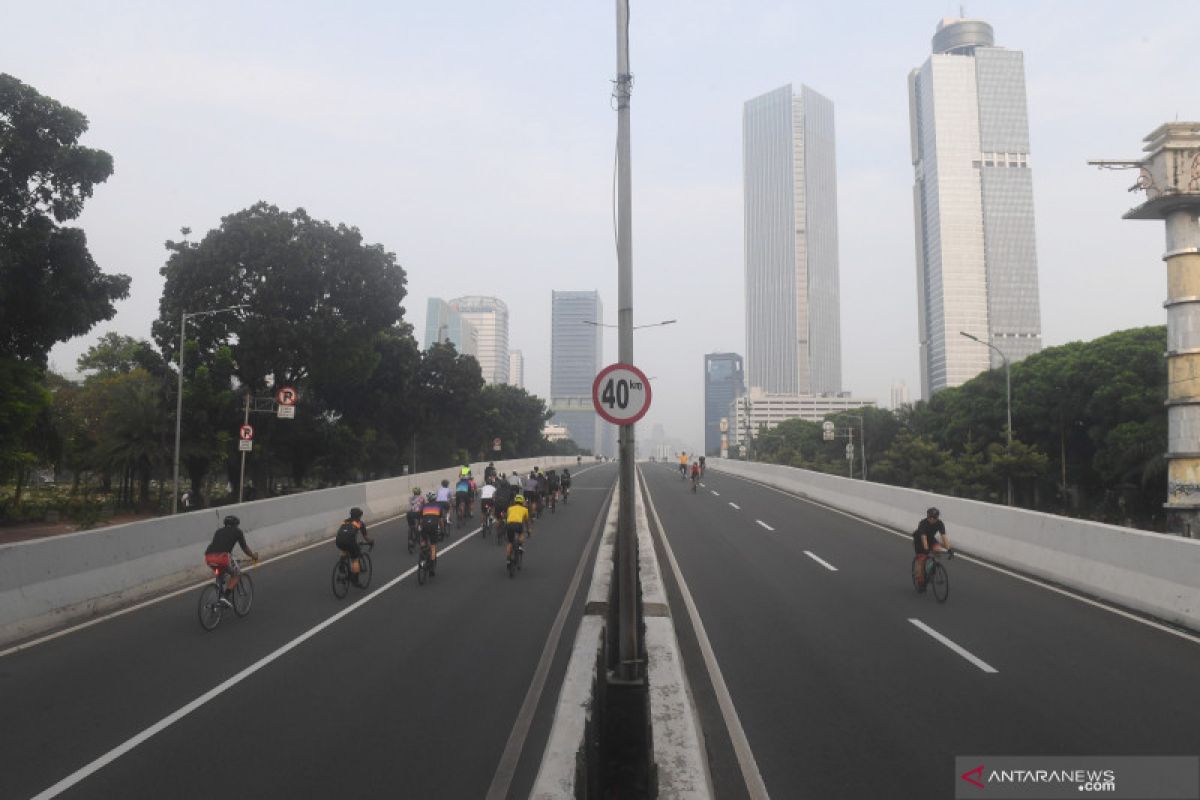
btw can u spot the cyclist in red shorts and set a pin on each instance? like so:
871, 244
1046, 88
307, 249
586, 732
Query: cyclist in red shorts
217, 554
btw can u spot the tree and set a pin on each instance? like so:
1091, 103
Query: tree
50, 287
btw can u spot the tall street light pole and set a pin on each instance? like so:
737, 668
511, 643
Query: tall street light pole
184, 316
627, 542
1007, 398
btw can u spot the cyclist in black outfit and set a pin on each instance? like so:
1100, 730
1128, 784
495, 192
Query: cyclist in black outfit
925, 540
217, 554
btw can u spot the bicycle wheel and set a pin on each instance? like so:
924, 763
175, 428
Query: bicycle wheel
941, 582
912, 572
520, 557
422, 566
209, 608
412, 539
243, 596
341, 579
512, 563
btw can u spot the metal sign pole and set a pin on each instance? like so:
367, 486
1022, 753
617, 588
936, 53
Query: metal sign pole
242, 477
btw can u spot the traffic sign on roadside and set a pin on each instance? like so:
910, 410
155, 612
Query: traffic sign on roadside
287, 396
621, 394
496, 444
246, 433
246, 445
286, 412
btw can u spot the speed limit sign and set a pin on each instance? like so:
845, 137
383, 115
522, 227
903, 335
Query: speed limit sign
621, 394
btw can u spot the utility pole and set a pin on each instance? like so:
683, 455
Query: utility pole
627, 626
245, 421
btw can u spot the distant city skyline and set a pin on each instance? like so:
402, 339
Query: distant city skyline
793, 313
576, 356
973, 197
724, 381
516, 369
489, 315
444, 324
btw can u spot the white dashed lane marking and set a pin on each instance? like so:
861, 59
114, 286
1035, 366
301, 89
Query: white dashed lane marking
765, 525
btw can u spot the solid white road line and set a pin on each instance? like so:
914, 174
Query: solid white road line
968, 655
172, 718
735, 505
715, 493
1193, 638
502, 779
820, 561
765, 525
737, 736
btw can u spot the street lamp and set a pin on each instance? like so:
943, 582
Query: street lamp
183, 318
1007, 398
862, 427
635, 327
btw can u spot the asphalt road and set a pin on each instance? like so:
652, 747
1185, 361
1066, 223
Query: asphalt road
842, 695
413, 693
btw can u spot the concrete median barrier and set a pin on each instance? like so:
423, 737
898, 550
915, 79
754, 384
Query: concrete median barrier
1152, 573
53, 582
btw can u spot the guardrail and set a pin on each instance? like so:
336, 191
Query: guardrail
47, 583
1153, 573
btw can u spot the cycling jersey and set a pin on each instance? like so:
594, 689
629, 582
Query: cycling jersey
443, 494
517, 515
225, 538
488, 492
463, 487
416, 504
929, 531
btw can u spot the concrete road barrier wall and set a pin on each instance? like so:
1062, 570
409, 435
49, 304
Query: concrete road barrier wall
46, 583
1153, 573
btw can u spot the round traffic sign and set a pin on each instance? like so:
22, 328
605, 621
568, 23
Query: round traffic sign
621, 394
246, 432
287, 396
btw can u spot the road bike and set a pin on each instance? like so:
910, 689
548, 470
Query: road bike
566, 492
413, 536
695, 483
935, 575
426, 563
344, 575
211, 608
489, 522
552, 500
518, 555
460, 512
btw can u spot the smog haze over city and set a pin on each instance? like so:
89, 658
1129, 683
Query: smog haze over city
476, 141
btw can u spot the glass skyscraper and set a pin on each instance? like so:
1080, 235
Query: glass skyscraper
444, 324
973, 206
724, 382
789, 173
489, 315
576, 353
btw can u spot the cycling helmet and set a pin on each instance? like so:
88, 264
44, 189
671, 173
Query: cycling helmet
356, 513
519, 499
445, 483
416, 490
431, 497
933, 512
465, 471
232, 521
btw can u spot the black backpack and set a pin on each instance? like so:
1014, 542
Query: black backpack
347, 531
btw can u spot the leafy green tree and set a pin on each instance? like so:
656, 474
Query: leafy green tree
50, 287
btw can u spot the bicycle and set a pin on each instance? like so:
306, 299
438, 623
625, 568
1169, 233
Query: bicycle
695, 483
210, 608
413, 537
566, 492
935, 574
343, 576
489, 522
518, 555
460, 513
553, 500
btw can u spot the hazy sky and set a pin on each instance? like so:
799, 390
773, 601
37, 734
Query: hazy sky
476, 140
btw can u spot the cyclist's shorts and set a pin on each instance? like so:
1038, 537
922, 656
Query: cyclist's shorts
349, 544
485, 505
514, 530
220, 561
445, 504
917, 544
413, 516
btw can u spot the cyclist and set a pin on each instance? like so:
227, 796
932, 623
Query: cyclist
347, 538
462, 497
515, 523
415, 504
443, 500
925, 541
502, 498
433, 522
489, 472
683, 465
566, 482
514, 480
531, 491
543, 490
487, 499
701, 466
695, 473
553, 484
217, 556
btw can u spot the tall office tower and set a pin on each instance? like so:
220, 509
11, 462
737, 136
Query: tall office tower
723, 383
444, 324
899, 395
793, 319
489, 315
973, 206
576, 351
516, 369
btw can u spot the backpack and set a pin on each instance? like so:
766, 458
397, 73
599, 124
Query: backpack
347, 531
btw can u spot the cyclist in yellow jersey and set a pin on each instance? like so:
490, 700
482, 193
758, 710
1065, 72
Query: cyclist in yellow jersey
516, 521
683, 464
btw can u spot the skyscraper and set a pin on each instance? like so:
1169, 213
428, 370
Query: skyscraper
576, 353
973, 206
444, 324
793, 318
489, 315
516, 369
723, 383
